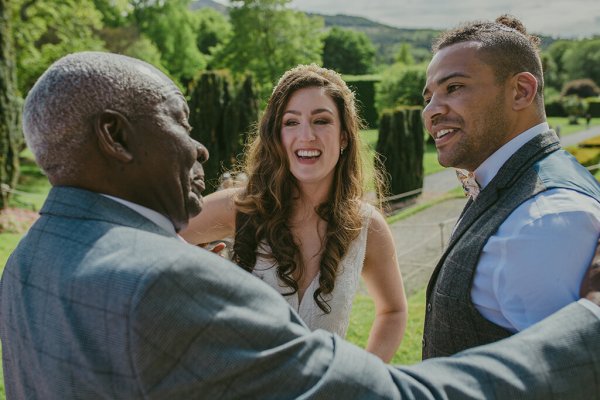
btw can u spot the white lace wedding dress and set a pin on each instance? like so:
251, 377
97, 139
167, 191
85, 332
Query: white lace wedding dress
346, 283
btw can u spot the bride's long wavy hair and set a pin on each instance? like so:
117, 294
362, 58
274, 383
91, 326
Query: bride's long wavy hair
265, 207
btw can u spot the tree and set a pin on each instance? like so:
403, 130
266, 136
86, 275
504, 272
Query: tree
268, 39
9, 109
581, 88
171, 27
212, 29
552, 61
221, 119
404, 55
582, 60
45, 30
348, 51
400, 85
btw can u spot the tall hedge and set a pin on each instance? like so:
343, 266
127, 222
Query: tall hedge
593, 105
401, 144
10, 135
221, 117
364, 90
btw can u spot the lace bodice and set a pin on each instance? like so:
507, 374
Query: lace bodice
346, 283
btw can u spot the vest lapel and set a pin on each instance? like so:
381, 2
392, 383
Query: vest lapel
527, 155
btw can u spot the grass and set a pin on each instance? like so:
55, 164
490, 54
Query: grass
361, 319
33, 185
369, 139
566, 129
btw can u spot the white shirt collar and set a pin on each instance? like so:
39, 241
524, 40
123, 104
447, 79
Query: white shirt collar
490, 167
152, 215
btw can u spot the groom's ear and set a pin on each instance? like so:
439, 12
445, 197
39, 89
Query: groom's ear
112, 130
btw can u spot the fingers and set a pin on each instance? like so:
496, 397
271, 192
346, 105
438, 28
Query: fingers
590, 286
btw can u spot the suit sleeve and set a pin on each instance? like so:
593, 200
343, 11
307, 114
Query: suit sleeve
203, 328
558, 358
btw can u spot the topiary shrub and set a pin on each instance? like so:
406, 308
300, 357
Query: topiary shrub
221, 119
581, 88
593, 107
401, 145
364, 90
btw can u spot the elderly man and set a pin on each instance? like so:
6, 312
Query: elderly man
102, 300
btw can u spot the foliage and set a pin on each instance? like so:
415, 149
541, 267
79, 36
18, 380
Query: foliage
574, 107
212, 29
364, 90
268, 39
401, 144
221, 119
387, 39
348, 51
404, 55
582, 59
554, 108
129, 41
45, 30
593, 107
10, 137
178, 51
552, 62
581, 88
400, 85
587, 156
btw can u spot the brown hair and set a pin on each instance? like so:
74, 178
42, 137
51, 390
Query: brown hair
505, 46
265, 207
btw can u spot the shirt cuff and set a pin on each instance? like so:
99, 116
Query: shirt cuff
594, 308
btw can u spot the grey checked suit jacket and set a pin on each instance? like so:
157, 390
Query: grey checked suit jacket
97, 302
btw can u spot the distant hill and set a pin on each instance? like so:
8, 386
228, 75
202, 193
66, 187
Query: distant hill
195, 5
386, 39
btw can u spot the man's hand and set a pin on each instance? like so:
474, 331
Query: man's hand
590, 286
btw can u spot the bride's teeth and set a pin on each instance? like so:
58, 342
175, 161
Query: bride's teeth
308, 153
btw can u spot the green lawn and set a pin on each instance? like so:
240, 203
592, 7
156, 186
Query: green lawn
361, 319
566, 129
369, 138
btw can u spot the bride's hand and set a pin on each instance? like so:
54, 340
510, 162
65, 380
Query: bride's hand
590, 286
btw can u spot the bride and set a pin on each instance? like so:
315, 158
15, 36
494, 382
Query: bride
300, 223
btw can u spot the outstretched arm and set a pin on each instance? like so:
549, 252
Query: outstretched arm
216, 221
236, 329
384, 283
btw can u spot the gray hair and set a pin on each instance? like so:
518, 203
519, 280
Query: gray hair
59, 110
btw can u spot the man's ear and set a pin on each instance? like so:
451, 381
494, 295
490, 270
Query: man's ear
524, 90
112, 128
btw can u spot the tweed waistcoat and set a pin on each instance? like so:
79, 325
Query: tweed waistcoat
452, 323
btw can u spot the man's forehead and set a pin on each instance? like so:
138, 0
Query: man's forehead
456, 59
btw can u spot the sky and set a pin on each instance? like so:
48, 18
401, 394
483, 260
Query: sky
557, 18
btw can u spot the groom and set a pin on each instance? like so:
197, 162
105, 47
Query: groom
102, 300
524, 242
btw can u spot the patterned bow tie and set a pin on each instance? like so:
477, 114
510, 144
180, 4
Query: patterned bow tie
469, 184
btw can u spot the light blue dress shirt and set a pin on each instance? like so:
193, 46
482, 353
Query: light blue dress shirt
534, 264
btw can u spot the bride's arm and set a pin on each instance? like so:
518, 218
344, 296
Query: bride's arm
216, 220
384, 283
